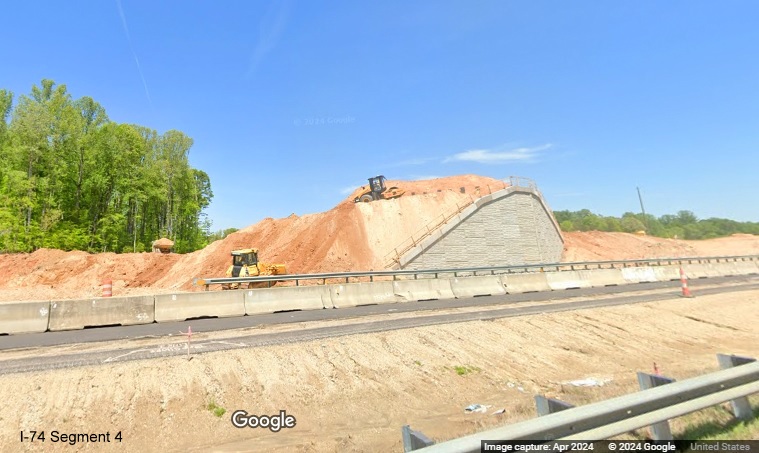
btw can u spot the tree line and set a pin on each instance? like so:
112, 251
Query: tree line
683, 225
72, 179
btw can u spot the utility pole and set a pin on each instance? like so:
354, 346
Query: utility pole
645, 219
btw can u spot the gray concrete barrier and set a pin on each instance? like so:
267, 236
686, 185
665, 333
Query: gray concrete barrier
105, 311
700, 271
639, 275
525, 283
566, 280
727, 269
489, 285
717, 269
667, 273
731, 268
602, 277
423, 289
747, 267
181, 306
270, 300
356, 294
24, 317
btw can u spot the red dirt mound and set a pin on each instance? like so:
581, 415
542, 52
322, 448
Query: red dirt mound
348, 237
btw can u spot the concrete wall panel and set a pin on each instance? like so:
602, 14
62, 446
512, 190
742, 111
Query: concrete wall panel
369, 293
270, 300
24, 317
527, 282
477, 286
103, 311
423, 289
181, 306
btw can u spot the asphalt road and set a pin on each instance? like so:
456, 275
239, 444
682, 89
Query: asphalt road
98, 334
564, 302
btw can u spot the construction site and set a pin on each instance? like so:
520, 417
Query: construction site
354, 392
385, 234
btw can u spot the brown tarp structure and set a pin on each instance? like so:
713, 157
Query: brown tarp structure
163, 245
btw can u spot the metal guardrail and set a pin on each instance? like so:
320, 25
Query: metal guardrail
473, 271
616, 416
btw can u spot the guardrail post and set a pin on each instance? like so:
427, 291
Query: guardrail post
547, 406
414, 440
659, 431
741, 407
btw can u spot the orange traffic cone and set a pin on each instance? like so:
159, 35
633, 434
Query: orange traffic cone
684, 281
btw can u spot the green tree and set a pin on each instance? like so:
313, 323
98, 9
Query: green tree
630, 224
6, 103
686, 218
612, 224
221, 234
566, 225
72, 179
684, 224
591, 222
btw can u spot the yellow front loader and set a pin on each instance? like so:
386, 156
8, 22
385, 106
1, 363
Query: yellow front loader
245, 264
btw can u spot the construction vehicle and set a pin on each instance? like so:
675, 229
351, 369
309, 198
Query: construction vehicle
376, 190
245, 264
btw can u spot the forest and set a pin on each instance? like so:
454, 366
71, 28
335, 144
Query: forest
683, 225
71, 179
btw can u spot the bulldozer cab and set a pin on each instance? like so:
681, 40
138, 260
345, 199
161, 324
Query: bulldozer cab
245, 264
377, 184
244, 257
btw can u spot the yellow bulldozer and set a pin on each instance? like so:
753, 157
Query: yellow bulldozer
376, 190
245, 264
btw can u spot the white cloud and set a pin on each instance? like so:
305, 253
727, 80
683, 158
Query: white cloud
491, 156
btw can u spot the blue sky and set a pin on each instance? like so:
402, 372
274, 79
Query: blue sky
291, 103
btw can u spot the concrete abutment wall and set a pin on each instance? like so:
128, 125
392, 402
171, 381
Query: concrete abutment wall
510, 227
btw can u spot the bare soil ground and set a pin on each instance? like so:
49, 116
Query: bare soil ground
354, 393
349, 237
599, 246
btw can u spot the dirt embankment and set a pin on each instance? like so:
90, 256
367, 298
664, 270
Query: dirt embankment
348, 237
